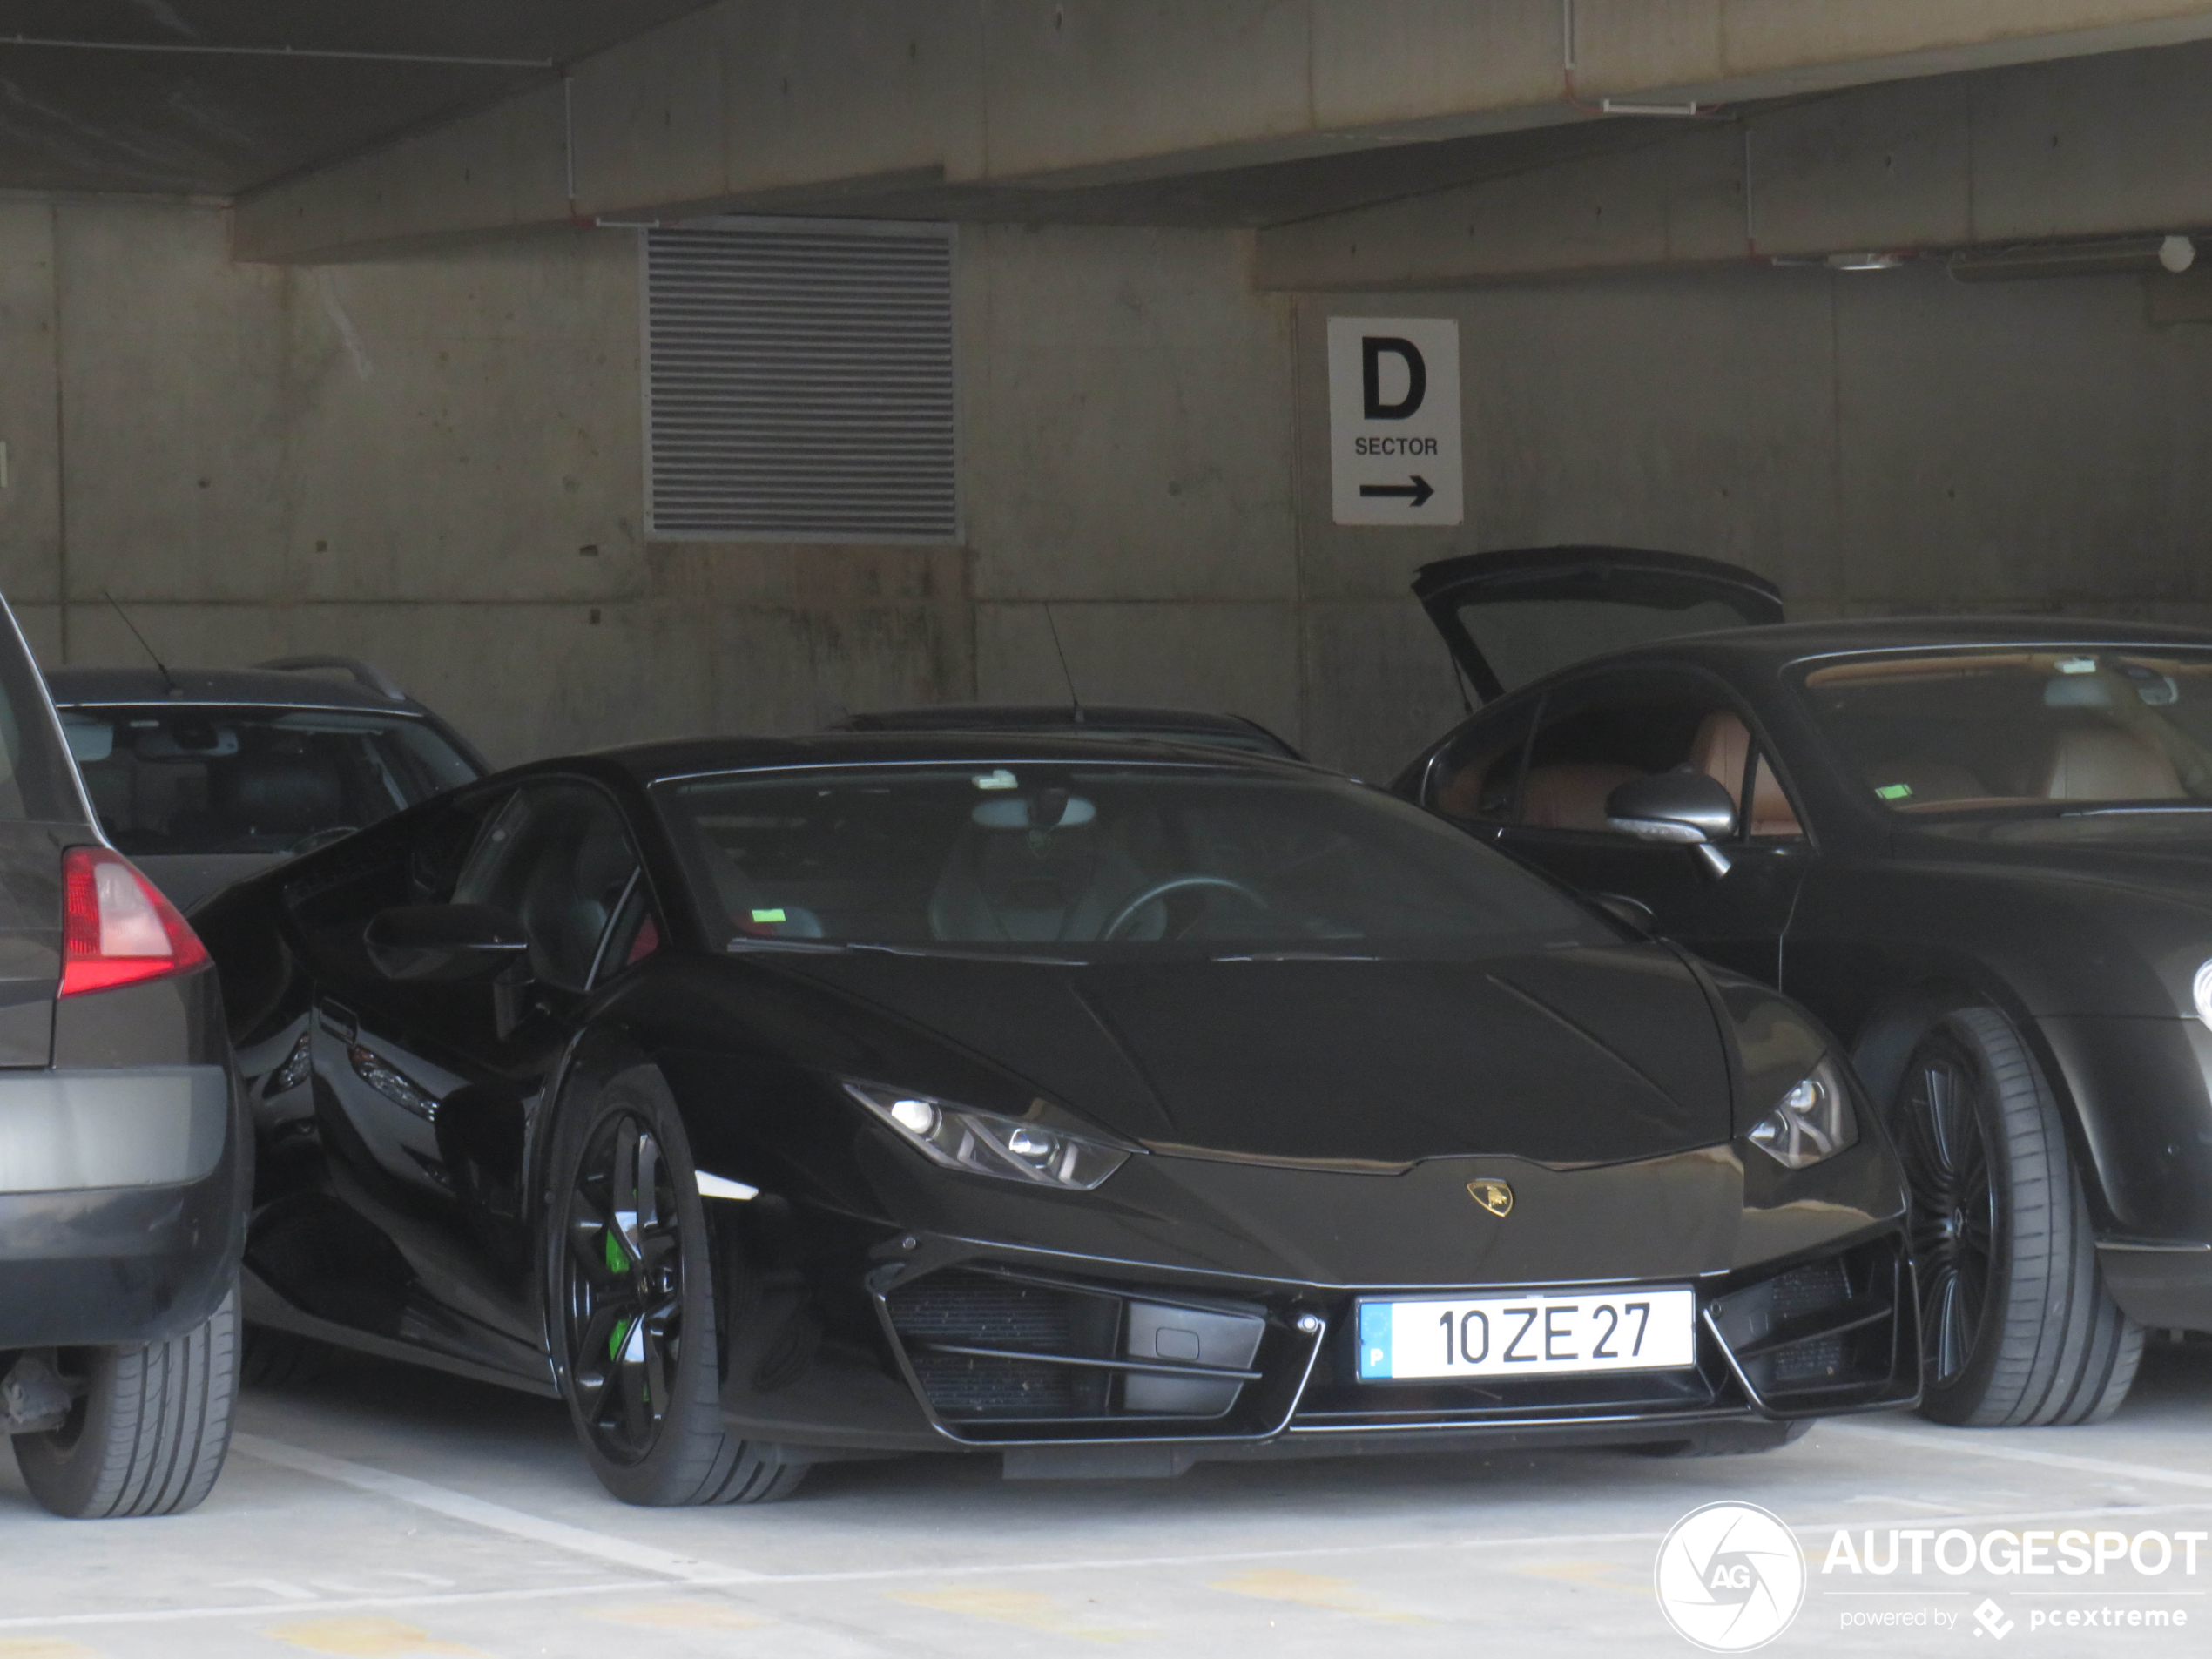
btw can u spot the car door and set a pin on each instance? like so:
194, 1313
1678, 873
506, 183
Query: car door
1591, 735
430, 1092
1512, 617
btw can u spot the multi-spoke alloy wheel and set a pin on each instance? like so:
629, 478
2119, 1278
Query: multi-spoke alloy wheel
2016, 1326
624, 1282
1954, 1207
631, 1266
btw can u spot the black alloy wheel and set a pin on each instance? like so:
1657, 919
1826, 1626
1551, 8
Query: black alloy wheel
631, 1264
624, 1289
1954, 1206
2016, 1326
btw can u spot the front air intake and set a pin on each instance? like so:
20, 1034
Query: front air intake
988, 1344
1816, 1335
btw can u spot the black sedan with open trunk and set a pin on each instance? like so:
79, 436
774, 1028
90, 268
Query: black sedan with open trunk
1103, 1107
1979, 849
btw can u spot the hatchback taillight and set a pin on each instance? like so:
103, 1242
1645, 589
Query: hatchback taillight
117, 928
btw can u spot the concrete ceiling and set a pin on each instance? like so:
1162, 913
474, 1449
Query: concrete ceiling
195, 97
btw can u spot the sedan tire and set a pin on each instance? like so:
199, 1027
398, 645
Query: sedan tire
631, 1303
148, 1430
2018, 1326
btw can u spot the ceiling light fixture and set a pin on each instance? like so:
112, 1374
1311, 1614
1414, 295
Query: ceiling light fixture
1866, 259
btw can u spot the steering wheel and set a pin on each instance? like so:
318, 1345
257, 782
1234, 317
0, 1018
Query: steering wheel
1128, 912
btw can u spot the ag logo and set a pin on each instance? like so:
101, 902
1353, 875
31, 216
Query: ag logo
1730, 1577
1493, 1195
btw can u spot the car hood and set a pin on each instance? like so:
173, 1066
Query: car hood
1564, 1057
2169, 854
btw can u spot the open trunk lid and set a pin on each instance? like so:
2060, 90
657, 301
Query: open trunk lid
1511, 617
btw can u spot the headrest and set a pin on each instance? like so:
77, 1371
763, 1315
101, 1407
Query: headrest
276, 795
2103, 763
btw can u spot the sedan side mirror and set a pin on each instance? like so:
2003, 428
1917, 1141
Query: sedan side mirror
1685, 807
443, 942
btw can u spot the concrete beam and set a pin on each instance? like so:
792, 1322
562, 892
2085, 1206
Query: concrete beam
822, 104
2080, 148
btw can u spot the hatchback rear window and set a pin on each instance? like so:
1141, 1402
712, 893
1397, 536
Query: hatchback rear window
195, 780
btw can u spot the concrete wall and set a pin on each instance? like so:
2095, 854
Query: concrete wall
435, 464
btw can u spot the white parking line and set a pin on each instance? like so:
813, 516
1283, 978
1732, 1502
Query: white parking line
758, 1583
495, 1517
2006, 1452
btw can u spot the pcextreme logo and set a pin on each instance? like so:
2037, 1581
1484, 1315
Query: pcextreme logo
1729, 1577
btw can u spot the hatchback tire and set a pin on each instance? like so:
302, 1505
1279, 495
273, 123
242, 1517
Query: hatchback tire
148, 1430
2018, 1328
630, 1307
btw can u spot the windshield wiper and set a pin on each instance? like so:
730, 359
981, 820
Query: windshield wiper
1300, 956
2121, 812
957, 955
801, 946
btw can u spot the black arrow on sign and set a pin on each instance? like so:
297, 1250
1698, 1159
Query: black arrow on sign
1418, 490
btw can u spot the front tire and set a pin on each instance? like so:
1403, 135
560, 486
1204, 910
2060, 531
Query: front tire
631, 1308
2016, 1326
149, 1429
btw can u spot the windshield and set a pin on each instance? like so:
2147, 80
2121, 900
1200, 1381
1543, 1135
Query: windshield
1124, 858
167, 779
2011, 729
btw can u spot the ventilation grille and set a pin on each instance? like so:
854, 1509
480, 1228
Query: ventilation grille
800, 384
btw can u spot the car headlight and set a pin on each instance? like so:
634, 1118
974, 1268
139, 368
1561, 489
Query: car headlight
1013, 1149
1812, 1122
2201, 992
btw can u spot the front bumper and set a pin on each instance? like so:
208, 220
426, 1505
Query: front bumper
1069, 1366
123, 1198
1005, 1354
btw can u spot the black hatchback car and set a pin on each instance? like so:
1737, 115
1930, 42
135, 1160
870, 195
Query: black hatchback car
1979, 849
204, 776
124, 1152
1099, 1106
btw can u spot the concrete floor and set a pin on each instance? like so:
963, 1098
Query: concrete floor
386, 1511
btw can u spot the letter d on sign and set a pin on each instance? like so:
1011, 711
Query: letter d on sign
1372, 350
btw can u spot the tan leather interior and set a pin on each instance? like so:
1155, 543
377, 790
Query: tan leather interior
2103, 763
1722, 746
1570, 794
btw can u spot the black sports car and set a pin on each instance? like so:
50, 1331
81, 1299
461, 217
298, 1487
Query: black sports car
1979, 850
1102, 1106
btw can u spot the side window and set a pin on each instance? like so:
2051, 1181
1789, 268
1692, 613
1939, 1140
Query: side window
557, 859
1590, 742
1476, 778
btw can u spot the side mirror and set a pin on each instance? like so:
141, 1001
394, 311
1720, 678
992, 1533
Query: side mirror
1684, 807
443, 942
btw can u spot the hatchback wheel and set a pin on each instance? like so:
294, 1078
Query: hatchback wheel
2017, 1326
147, 1427
631, 1296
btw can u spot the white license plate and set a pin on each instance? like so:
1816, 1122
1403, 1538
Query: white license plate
1538, 1334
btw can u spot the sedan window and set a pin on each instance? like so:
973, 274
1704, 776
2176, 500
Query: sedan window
1589, 744
1125, 859
2014, 730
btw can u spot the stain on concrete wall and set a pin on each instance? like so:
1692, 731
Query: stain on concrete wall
435, 463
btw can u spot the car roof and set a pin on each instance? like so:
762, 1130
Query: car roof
78, 686
1776, 644
649, 762
1063, 717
